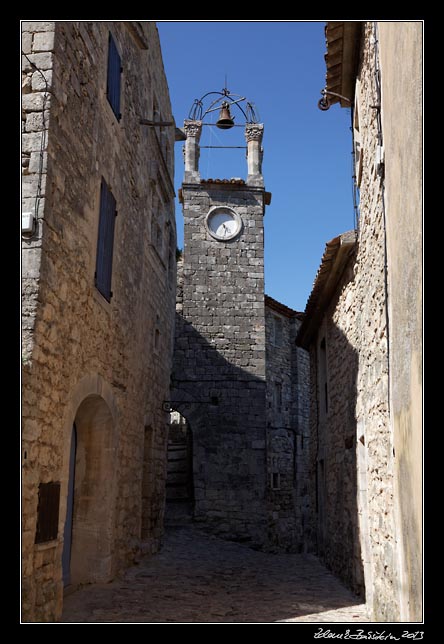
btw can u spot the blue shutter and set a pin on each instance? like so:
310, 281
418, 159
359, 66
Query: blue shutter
114, 71
105, 241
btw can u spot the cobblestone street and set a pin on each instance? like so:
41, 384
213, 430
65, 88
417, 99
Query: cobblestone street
201, 579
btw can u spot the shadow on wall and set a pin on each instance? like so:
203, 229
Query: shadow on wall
225, 407
338, 457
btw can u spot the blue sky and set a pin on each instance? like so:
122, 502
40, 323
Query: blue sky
279, 66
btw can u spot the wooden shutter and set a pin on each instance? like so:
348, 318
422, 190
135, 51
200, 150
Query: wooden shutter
105, 241
48, 512
114, 72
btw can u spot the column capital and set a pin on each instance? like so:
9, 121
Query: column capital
254, 132
192, 128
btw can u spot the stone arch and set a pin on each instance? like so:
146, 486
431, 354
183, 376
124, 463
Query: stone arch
179, 501
92, 408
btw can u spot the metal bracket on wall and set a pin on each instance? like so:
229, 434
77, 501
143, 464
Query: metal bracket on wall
325, 104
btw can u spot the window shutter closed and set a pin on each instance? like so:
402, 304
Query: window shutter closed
114, 71
105, 241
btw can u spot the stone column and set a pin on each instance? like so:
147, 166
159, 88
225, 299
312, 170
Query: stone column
253, 135
193, 130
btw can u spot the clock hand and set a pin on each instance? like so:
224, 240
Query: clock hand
225, 230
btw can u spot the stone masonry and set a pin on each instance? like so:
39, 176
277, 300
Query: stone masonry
248, 458
347, 327
101, 365
218, 380
287, 377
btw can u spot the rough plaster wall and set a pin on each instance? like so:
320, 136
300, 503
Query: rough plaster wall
76, 332
402, 137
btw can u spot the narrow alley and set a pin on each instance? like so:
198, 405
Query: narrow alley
201, 579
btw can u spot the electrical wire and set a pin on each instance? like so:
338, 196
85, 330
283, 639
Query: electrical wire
355, 190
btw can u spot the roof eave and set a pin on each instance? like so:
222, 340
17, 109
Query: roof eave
343, 46
334, 261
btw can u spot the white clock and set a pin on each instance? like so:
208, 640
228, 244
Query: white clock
223, 223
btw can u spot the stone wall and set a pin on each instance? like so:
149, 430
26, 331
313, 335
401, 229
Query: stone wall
104, 366
219, 361
37, 45
352, 456
287, 376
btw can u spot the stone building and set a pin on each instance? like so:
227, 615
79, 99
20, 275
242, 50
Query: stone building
233, 376
99, 281
287, 412
363, 328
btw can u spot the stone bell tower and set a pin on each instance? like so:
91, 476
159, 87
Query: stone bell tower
218, 380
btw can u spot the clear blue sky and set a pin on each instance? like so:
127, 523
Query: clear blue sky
279, 66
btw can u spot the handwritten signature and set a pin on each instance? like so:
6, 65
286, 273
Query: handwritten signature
360, 634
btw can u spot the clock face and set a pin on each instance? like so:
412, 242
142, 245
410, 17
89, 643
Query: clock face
223, 223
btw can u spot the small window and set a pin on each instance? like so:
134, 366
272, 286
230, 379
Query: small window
157, 218
114, 77
276, 335
277, 396
48, 512
275, 481
275, 477
323, 377
157, 334
105, 241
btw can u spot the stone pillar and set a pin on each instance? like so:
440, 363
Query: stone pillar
193, 130
253, 135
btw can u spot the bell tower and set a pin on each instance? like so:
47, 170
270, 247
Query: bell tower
218, 380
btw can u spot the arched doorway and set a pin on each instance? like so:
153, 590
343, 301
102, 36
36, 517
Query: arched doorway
88, 555
179, 483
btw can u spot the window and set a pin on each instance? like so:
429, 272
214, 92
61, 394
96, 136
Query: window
275, 477
277, 396
157, 334
48, 512
105, 241
276, 332
114, 77
323, 379
275, 481
157, 218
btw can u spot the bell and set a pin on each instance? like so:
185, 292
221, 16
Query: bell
225, 120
